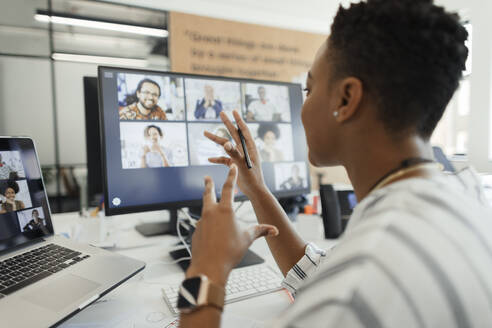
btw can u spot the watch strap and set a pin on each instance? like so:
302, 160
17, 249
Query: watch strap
208, 294
216, 295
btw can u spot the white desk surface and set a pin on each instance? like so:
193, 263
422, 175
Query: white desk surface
138, 302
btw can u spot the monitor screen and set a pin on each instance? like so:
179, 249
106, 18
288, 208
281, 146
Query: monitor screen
24, 211
155, 155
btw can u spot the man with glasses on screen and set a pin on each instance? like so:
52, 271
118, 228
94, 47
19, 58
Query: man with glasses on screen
145, 105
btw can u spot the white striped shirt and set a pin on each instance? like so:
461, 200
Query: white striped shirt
416, 253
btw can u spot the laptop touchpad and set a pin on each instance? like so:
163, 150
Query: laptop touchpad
62, 292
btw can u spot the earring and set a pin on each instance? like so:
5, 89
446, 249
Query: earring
335, 114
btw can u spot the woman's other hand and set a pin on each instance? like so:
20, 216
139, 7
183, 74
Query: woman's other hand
250, 181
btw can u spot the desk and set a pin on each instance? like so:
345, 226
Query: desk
138, 302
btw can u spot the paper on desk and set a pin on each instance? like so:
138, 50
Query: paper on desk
104, 313
114, 313
228, 321
134, 304
138, 304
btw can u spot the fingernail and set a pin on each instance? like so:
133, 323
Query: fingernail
233, 166
228, 146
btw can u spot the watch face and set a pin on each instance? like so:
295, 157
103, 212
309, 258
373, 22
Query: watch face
192, 285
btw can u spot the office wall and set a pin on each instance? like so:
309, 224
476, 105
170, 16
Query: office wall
26, 102
212, 46
71, 110
309, 16
26, 106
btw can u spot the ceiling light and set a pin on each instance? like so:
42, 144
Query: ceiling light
101, 60
96, 24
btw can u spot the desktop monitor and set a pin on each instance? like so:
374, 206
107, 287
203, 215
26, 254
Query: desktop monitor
153, 148
93, 141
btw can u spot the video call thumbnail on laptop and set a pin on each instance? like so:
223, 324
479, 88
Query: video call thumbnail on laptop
50, 277
24, 211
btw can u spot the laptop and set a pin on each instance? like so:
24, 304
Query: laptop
44, 279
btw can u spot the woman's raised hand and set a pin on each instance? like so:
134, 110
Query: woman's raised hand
251, 180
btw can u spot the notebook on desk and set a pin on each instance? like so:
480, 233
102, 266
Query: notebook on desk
44, 278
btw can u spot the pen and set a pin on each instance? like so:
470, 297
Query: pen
245, 150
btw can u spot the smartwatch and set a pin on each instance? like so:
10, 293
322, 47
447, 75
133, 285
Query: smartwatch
199, 291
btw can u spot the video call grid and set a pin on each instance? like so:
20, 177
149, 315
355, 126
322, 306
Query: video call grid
13, 180
188, 122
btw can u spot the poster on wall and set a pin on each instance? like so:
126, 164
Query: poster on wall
210, 46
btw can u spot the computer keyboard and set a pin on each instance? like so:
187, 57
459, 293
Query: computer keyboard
243, 283
27, 268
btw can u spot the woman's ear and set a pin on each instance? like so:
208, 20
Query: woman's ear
350, 94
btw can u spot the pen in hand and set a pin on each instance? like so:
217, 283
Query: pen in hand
245, 150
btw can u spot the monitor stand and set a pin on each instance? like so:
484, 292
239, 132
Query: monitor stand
250, 258
169, 228
160, 228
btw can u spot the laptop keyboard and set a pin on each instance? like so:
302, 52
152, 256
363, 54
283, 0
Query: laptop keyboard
27, 268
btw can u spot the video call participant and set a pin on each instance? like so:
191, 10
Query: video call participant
295, 181
6, 172
36, 222
155, 155
222, 132
269, 134
9, 189
203, 149
208, 107
262, 109
145, 105
417, 248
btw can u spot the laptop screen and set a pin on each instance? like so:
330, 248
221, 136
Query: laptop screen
24, 210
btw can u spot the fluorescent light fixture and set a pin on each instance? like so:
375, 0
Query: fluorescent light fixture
101, 60
90, 23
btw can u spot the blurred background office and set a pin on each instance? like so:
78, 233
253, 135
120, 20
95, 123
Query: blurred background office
49, 46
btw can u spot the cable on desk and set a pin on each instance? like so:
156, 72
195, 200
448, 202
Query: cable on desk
238, 207
239, 218
178, 223
150, 277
